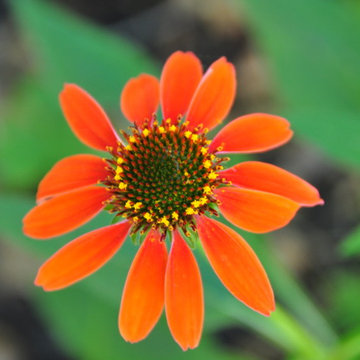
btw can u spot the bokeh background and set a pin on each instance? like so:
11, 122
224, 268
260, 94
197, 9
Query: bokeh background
299, 59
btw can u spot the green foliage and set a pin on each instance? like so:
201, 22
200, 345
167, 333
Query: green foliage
351, 245
313, 51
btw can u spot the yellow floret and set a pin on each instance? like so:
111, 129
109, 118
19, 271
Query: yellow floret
194, 137
207, 190
164, 221
204, 150
207, 164
122, 186
212, 175
128, 147
188, 134
137, 205
172, 128
128, 204
135, 219
175, 215
132, 138
189, 211
117, 177
148, 216
161, 129
120, 160
196, 203
203, 200
146, 132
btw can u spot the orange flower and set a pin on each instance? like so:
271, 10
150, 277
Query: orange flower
165, 178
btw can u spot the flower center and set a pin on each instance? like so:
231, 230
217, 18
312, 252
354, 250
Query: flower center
163, 177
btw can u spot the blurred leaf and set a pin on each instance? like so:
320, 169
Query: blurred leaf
63, 49
314, 53
351, 245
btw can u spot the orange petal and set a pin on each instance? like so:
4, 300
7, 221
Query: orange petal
255, 211
81, 257
86, 118
252, 133
214, 96
140, 98
270, 178
71, 173
65, 212
180, 77
184, 300
236, 265
143, 295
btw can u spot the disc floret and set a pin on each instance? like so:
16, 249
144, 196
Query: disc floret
163, 177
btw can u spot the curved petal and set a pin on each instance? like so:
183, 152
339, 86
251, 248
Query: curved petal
255, 211
180, 77
71, 173
86, 118
81, 257
143, 296
270, 178
184, 300
140, 98
252, 133
236, 265
65, 212
214, 96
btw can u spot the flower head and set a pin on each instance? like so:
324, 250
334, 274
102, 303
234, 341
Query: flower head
166, 180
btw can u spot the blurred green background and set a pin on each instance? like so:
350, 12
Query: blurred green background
299, 59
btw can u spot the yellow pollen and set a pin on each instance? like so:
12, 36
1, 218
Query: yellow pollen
203, 200
119, 170
148, 216
164, 221
186, 173
196, 203
117, 177
128, 147
220, 148
212, 175
146, 132
208, 142
128, 204
188, 134
189, 211
172, 128
122, 186
168, 121
135, 219
161, 129
138, 205
132, 139
207, 190
194, 137
120, 160
175, 215
204, 150
212, 156
207, 164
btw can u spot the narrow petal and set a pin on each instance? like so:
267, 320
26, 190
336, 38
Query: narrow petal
184, 300
236, 265
81, 257
255, 211
214, 96
65, 212
252, 133
180, 77
71, 173
270, 178
143, 296
86, 118
140, 98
